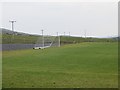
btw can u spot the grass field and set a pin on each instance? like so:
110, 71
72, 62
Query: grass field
84, 65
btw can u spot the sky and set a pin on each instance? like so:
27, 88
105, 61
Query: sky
98, 19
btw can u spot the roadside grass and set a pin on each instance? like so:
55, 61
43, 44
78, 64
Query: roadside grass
84, 65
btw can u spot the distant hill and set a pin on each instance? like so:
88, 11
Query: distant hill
19, 37
7, 31
25, 38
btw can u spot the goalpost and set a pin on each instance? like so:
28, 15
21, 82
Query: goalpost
47, 41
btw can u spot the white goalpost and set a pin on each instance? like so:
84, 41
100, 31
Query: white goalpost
47, 41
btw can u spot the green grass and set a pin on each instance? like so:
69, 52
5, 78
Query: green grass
85, 65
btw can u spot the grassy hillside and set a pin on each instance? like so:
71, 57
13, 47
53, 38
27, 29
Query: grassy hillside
86, 65
21, 39
67, 39
31, 39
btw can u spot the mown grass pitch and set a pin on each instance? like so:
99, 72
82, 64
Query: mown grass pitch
84, 65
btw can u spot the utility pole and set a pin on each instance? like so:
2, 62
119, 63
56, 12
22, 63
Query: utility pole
58, 39
85, 33
42, 39
12, 25
57, 34
69, 34
64, 33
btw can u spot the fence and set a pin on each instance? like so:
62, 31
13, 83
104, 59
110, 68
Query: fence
15, 46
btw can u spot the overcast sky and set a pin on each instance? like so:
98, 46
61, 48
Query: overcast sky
96, 18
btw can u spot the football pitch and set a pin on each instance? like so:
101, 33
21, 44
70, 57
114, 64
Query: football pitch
83, 65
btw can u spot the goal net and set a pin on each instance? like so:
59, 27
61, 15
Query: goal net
47, 41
